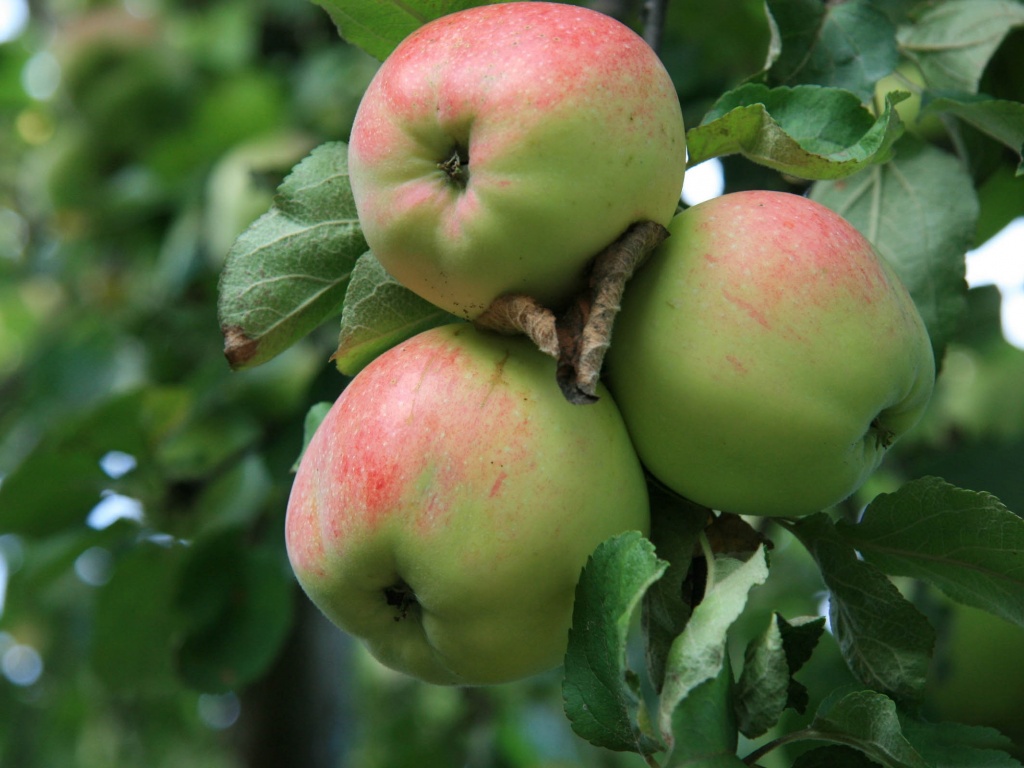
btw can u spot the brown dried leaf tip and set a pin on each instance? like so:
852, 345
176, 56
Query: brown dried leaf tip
239, 348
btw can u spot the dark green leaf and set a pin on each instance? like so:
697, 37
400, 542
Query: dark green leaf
700, 652
834, 756
236, 601
135, 621
601, 693
847, 45
766, 686
675, 526
379, 313
953, 41
377, 26
885, 640
704, 726
868, 721
919, 211
809, 131
287, 273
1002, 120
955, 745
964, 542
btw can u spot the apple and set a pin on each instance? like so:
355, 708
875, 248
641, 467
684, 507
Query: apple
766, 356
907, 77
446, 504
498, 149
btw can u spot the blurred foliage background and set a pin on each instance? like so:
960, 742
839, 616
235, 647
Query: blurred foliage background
148, 616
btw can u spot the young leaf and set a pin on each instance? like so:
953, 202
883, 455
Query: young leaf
600, 692
868, 721
675, 525
920, 211
377, 26
379, 313
287, 272
847, 45
1000, 119
808, 131
965, 543
953, 41
955, 745
766, 686
699, 653
885, 640
704, 726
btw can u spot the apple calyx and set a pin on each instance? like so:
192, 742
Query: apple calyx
580, 335
401, 597
456, 167
884, 437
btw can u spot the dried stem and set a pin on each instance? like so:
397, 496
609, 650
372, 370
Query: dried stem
515, 314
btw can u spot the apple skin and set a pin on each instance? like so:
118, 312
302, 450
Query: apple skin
766, 356
453, 465
572, 129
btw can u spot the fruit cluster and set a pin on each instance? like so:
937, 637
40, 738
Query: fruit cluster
762, 362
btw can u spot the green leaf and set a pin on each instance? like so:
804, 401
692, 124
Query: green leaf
600, 692
704, 726
236, 617
378, 26
953, 41
288, 271
316, 414
955, 745
379, 313
808, 131
699, 653
885, 640
847, 45
964, 542
135, 624
676, 524
920, 212
766, 686
1002, 120
868, 721
61, 480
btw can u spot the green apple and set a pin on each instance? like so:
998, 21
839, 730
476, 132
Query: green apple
766, 357
908, 78
445, 506
498, 149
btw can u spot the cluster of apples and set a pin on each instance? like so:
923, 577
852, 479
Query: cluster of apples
762, 361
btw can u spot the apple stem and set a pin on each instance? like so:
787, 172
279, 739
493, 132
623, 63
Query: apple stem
579, 337
520, 314
709, 556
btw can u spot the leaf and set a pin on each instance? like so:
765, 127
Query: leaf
766, 686
61, 480
964, 542
378, 26
675, 525
868, 721
885, 640
316, 414
847, 45
600, 692
699, 653
379, 313
1002, 120
237, 617
955, 745
953, 41
834, 756
919, 211
135, 624
288, 271
704, 726
808, 131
